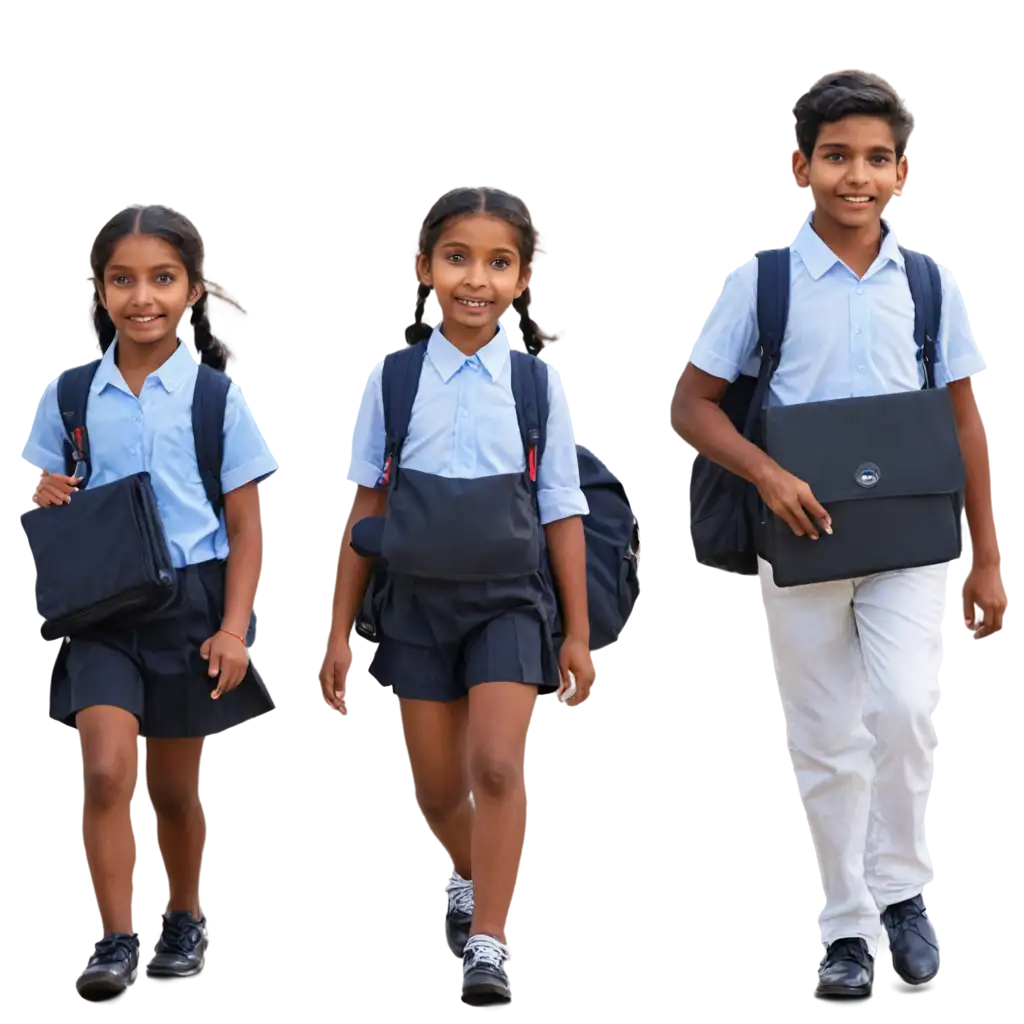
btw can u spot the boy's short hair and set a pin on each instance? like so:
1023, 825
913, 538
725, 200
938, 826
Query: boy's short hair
846, 94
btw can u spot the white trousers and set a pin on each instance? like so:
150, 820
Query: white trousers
857, 664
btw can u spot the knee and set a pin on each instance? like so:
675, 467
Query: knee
495, 775
175, 804
439, 804
904, 717
109, 781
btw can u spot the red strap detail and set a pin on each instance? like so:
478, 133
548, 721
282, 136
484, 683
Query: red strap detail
533, 465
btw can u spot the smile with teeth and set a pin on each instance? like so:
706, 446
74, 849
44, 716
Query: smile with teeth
473, 303
143, 319
858, 199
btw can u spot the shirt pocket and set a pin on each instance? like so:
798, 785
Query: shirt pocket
174, 455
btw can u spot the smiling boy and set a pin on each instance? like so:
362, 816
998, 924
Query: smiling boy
857, 661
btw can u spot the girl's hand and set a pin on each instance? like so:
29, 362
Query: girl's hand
229, 661
792, 500
575, 665
337, 670
55, 489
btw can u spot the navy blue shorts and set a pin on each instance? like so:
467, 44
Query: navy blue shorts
511, 648
154, 670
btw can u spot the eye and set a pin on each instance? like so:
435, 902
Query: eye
501, 263
120, 280
833, 158
165, 278
880, 159
455, 257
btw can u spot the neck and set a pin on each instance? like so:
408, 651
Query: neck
134, 359
857, 247
469, 340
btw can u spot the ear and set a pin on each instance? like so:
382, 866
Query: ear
801, 169
195, 293
423, 274
524, 281
901, 175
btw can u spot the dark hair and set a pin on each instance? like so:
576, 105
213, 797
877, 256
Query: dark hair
845, 94
463, 202
180, 232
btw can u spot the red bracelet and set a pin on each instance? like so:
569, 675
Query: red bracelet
240, 639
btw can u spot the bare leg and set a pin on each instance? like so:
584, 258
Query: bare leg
110, 761
435, 736
172, 772
499, 716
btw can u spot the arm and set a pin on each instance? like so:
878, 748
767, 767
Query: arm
368, 443
698, 419
981, 507
353, 570
562, 505
727, 344
245, 557
962, 359
245, 463
568, 551
45, 450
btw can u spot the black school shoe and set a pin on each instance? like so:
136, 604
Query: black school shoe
484, 981
460, 913
847, 972
180, 951
912, 941
111, 969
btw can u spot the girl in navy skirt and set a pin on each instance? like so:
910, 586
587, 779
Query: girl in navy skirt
469, 612
186, 674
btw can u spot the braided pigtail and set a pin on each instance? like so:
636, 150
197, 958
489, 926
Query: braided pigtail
105, 329
213, 351
418, 331
533, 336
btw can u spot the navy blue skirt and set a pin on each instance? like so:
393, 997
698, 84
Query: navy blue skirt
154, 670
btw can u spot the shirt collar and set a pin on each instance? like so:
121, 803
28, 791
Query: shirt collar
171, 375
818, 258
448, 360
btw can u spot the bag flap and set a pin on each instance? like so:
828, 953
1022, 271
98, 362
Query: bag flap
885, 446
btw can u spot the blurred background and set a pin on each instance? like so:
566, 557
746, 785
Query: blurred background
649, 139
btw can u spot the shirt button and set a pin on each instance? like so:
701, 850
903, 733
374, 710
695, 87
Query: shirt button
860, 369
860, 291
857, 330
133, 450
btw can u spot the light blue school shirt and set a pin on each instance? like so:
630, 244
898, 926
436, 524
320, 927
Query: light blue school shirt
846, 338
464, 426
154, 433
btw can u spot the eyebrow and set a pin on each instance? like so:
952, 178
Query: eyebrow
160, 267
463, 245
846, 145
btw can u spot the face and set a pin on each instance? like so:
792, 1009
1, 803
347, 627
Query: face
475, 271
145, 289
853, 171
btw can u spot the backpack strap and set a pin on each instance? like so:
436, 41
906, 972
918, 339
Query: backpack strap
772, 316
209, 400
530, 393
926, 291
400, 382
72, 399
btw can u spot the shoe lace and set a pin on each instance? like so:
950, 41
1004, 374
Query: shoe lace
488, 951
112, 949
901, 916
460, 895
181, 933
847, 949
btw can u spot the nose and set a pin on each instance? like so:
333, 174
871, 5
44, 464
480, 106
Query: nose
141, 294
857, 171
476, 275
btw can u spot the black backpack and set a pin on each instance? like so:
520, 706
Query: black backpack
725, 510
611, 530
208, 404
